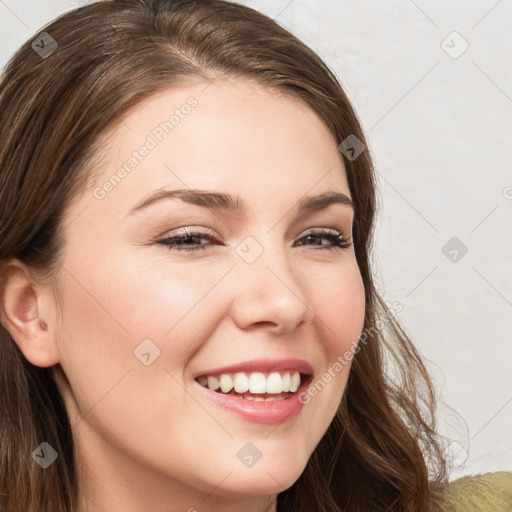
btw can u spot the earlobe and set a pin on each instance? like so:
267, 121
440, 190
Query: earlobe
25, 313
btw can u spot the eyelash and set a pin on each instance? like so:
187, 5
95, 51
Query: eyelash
172, 242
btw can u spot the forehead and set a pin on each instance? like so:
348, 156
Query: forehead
232, 133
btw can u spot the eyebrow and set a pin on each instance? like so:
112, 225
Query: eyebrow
235, 204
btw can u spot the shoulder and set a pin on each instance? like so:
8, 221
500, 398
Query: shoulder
480, 493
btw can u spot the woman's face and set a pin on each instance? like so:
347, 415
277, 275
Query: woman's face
147, 324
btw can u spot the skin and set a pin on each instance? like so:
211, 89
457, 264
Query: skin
146, 438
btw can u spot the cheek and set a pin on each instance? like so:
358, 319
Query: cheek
136, 300
111, 387
152, 292
341, 312
114, 321
343, 304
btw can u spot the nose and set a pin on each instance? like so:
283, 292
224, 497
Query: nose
269, 290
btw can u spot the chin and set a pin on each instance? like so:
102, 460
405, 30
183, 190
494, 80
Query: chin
275, 475
248, 485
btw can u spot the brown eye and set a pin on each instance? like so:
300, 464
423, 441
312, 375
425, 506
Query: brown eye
186, 241
334, 237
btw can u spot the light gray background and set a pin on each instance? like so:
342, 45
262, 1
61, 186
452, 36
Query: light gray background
439, 124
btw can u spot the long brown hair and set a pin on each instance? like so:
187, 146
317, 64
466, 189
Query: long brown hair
381, 451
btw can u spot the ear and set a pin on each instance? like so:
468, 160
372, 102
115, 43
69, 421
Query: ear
27, 311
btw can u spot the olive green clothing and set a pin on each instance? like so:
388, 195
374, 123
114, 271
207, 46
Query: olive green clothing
490, 492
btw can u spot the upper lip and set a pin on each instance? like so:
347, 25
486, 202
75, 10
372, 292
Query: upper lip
264, 366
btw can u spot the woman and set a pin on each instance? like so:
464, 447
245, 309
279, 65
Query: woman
177, 332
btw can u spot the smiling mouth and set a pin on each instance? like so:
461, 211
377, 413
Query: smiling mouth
256, 386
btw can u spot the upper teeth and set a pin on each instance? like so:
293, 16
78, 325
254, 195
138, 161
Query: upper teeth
255, 382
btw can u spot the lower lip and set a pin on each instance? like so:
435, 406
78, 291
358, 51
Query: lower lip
265, 413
